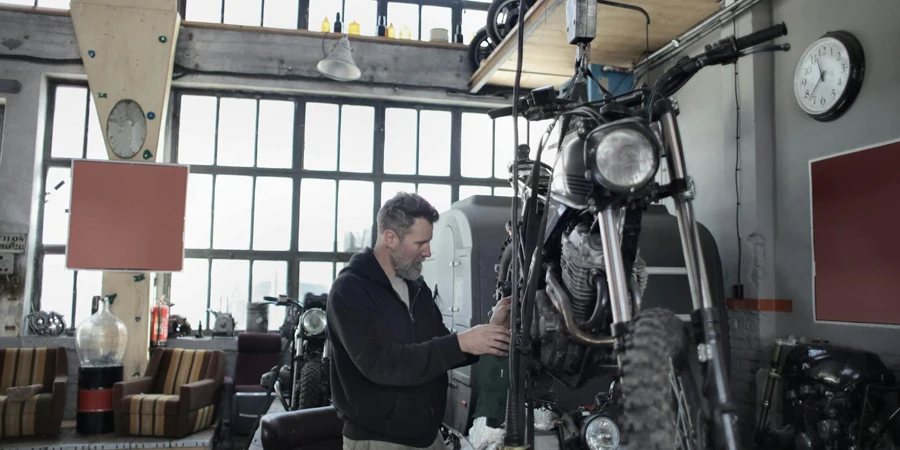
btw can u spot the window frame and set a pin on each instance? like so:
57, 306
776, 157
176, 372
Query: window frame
293, 256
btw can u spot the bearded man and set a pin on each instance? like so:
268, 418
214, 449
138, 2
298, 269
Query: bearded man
390, 349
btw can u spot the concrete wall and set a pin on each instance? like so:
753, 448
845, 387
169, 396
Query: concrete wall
872, 119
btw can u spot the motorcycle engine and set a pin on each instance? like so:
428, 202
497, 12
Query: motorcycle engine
581, 263
827, 419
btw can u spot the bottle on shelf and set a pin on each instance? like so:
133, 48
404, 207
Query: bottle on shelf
458, 36
405, 33
353, 28
391, 32
382, 30
337, 23
326, 25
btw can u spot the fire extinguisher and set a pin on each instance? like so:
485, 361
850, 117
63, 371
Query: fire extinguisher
159, 327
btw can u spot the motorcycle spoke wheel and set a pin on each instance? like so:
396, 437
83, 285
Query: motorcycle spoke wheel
659, 403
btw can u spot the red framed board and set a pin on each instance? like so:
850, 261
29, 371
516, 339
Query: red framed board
855, 240
127, 216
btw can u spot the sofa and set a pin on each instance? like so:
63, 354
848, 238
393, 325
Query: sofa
33, 383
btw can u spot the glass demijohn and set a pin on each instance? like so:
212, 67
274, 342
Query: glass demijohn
100, 340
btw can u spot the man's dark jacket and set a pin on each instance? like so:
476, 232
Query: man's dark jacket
389, 363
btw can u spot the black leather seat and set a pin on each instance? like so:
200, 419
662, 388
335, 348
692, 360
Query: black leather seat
306, 429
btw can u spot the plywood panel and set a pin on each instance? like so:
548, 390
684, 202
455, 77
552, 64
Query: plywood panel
621, 39
855, 243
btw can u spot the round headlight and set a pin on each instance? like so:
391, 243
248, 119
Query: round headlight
313, 321
624, 155
601, 433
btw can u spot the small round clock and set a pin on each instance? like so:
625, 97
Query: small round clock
829, 75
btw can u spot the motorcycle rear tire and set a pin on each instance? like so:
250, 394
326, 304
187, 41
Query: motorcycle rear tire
656, 337
311, 381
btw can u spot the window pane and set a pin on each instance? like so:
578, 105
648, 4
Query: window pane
364, 12
536, 131
68, 122
354, 224
243, 12
280, 14
503, 192
320, 141
338, 267
272, 214
434, 143
229, 287
204, 11
189, 292
504, 144
237, 132
435, 17
88, 284
19, 2
276, 133
472, 21
436, 194
319, 10
400, 141
60, 4
477, 132
316, 220
231, 224
404, 15
198, 213
56, 206
315, 277
390, 189
270, 279
357, 134
96, 146
56, 286
468, 191
196, 128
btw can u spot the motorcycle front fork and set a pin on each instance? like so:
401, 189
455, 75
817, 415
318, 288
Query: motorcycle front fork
704, 314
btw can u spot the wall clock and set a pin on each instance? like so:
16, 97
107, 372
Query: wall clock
829, 75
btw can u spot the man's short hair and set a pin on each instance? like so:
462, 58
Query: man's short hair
400, 213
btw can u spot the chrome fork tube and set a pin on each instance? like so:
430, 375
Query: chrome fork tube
684, 212
615, 267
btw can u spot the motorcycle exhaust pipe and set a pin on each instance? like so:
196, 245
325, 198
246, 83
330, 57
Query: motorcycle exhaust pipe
561, 302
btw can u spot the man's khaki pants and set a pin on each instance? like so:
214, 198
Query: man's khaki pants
350, 444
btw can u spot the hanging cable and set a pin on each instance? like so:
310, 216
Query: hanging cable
737, 170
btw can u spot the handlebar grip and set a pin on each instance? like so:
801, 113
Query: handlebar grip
500, 112
270, 299
767, 34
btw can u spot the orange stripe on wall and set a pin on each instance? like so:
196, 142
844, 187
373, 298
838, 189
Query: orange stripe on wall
761, 304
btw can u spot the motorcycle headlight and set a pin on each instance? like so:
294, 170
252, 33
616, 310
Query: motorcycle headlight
313, 321
623, 155
601, 433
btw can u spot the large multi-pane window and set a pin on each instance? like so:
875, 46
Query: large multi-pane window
282, 190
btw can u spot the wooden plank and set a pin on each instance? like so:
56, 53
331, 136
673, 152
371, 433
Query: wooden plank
621, 39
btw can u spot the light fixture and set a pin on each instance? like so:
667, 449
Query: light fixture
339, 65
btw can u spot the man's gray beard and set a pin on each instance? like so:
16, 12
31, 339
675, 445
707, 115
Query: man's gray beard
406, 269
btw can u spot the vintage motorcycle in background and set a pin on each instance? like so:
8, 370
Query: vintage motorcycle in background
832, 397
304, 383
573, 268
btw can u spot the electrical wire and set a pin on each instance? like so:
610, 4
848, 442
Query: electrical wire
737, 162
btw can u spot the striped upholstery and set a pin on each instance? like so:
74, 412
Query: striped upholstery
40, 414
158, 405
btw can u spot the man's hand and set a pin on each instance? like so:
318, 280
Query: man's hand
485, 340
500, 313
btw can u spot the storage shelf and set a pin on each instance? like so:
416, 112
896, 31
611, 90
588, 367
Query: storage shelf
621, 39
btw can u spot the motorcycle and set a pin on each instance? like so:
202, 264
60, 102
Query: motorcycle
834, 398
572, 266
304, 383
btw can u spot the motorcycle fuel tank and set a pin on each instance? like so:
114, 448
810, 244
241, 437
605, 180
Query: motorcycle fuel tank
569, 184
835, 366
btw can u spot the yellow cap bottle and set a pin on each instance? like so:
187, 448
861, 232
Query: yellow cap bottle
326, 25
391, 32
354, 27
405, 33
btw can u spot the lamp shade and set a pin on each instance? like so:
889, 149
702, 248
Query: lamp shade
339, 65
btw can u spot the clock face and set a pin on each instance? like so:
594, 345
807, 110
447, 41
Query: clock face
822, 75
829, 75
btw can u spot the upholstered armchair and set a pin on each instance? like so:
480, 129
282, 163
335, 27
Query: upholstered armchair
33, 384
176, 397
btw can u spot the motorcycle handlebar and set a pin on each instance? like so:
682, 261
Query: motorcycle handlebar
500, 112
764, 35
